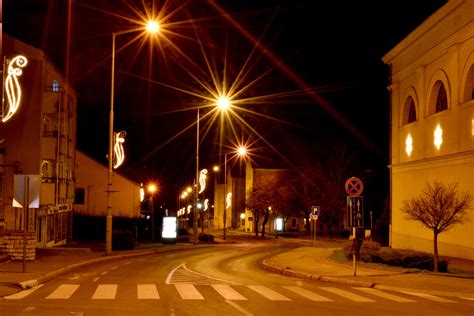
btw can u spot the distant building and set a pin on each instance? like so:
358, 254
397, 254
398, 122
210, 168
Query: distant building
39, 139
432, 122
91, 198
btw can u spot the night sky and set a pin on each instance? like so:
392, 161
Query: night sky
330, 49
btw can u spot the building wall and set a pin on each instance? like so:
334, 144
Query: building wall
91, 177
26, 146
439, 52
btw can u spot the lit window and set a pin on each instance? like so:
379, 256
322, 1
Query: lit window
409, 145
438, 136
55, 86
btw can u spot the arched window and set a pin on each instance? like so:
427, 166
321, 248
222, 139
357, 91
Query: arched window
469, 88
55, 86
441, 99
411, 112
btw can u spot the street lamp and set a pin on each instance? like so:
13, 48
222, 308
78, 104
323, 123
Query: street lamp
152, 189
152, 27
241, 152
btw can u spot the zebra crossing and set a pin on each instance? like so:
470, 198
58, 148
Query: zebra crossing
187, 291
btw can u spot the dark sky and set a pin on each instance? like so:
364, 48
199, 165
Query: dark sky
332, 48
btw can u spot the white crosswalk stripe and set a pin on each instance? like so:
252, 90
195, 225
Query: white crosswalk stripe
188, 292
386, 295
64, 291
430, 297
308, 294
349, 295
22, 294
268, 293
227, 292
147, 292
105, 292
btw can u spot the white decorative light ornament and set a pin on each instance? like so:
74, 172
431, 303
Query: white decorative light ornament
228, 200
119, 153
409, 145
12, 86
206, 204
189, 209
142, 192
202, 180
438, 136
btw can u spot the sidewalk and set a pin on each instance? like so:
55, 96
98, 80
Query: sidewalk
308, 261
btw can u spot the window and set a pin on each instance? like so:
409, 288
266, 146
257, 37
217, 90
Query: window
79, 196
55, 86
411, 112
441, 100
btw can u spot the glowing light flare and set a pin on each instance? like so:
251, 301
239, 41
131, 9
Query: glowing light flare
223, 103
119, 153
153, 26
152, 188
12, 86
242, 151
228, 200
206, 204
408, 145
216, 168
438, 136
202, 180
242, 215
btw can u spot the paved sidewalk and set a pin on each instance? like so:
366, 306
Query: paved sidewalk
314, 263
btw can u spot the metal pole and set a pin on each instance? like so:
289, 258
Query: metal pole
108, 226
225, 192
195, 182
25, 213
354, 259
152, 208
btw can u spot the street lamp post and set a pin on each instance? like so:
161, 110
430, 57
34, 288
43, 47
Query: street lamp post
152, 27
151, 190
196, 188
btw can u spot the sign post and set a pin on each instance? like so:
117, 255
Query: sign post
315, 210
355, 214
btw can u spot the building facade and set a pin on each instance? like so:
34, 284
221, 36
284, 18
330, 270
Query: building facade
39, 139
432, 122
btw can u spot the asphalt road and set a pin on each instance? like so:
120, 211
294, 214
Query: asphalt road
221, 280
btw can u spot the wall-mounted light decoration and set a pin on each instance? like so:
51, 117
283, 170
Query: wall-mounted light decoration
409, 145
228, 200
119, 153
12, 86
202, 180
206, 204
472, 127
142, 192
189, 209
438, 136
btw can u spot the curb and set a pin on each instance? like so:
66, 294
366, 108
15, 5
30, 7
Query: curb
53, 274
315, 277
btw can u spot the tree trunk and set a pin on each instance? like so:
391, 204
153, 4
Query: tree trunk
308, 228
435, 255
265, 220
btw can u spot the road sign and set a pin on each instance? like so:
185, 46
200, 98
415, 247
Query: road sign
355, 211
315, 210
354, 186
34, 182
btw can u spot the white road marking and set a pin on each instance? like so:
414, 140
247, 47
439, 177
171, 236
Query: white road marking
96, 279
268, 293
385, 295
188, 292
127, 263
239, 308
348, 295
113, 268
104, 273
430, 297
308, 294
22, 294
147, 292
105, 292
64, 291
228, 293
183, 265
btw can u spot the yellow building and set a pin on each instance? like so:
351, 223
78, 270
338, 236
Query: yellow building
432, 122
39, 139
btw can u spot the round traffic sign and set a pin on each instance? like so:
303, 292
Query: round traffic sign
354, 186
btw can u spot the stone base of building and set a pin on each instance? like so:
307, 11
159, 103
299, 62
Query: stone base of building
11, 244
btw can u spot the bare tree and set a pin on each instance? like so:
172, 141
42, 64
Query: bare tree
438, 208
